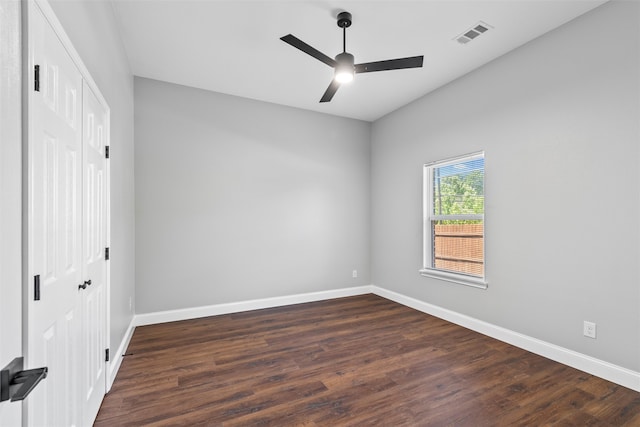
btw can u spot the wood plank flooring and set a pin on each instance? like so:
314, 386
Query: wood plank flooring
357, 361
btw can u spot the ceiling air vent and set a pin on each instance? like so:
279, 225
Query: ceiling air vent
473, 32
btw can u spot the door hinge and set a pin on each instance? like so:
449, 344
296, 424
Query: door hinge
106, 355
106, 152
106, 254
36, 78
36, 288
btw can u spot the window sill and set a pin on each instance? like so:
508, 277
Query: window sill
475, 282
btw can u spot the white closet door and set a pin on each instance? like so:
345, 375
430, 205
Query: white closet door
54, 228
95, 128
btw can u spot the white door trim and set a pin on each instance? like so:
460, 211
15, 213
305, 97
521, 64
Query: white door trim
10, 195
50, 16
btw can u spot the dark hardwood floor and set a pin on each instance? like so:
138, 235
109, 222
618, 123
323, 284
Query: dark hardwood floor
358, 361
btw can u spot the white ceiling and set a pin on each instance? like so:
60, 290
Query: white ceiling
234, 47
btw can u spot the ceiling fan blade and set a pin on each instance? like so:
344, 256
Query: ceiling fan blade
390, 64
297, 43
331, 90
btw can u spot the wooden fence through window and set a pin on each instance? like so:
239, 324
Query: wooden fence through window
460, 248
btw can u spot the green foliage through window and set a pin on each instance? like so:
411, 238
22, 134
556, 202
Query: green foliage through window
458, 189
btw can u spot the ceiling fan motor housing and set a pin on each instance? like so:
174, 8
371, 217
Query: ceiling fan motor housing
345, 59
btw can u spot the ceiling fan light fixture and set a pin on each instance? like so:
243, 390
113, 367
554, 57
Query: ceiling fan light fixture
344, 70
344, 76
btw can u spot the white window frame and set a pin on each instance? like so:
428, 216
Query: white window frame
428, 268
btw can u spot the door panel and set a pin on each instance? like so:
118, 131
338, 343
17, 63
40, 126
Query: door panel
54, 227
94, 230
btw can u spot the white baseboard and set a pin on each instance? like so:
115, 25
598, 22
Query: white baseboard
236, 307
591, 365
116, 357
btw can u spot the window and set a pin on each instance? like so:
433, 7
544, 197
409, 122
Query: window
454, 220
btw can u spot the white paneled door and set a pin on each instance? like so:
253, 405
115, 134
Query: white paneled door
54, 229
93, 298
66, 234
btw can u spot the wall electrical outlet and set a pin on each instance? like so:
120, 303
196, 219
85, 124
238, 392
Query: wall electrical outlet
589, 329
354, 274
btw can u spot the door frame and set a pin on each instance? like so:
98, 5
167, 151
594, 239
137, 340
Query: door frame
28, 8
11, 289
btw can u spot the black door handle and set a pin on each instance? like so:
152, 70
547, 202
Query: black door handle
87, 282
83, 286
16, 384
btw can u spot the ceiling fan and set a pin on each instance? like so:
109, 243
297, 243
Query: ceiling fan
344, 63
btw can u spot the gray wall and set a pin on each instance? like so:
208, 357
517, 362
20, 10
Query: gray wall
92, 28
558, 120
238, 199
